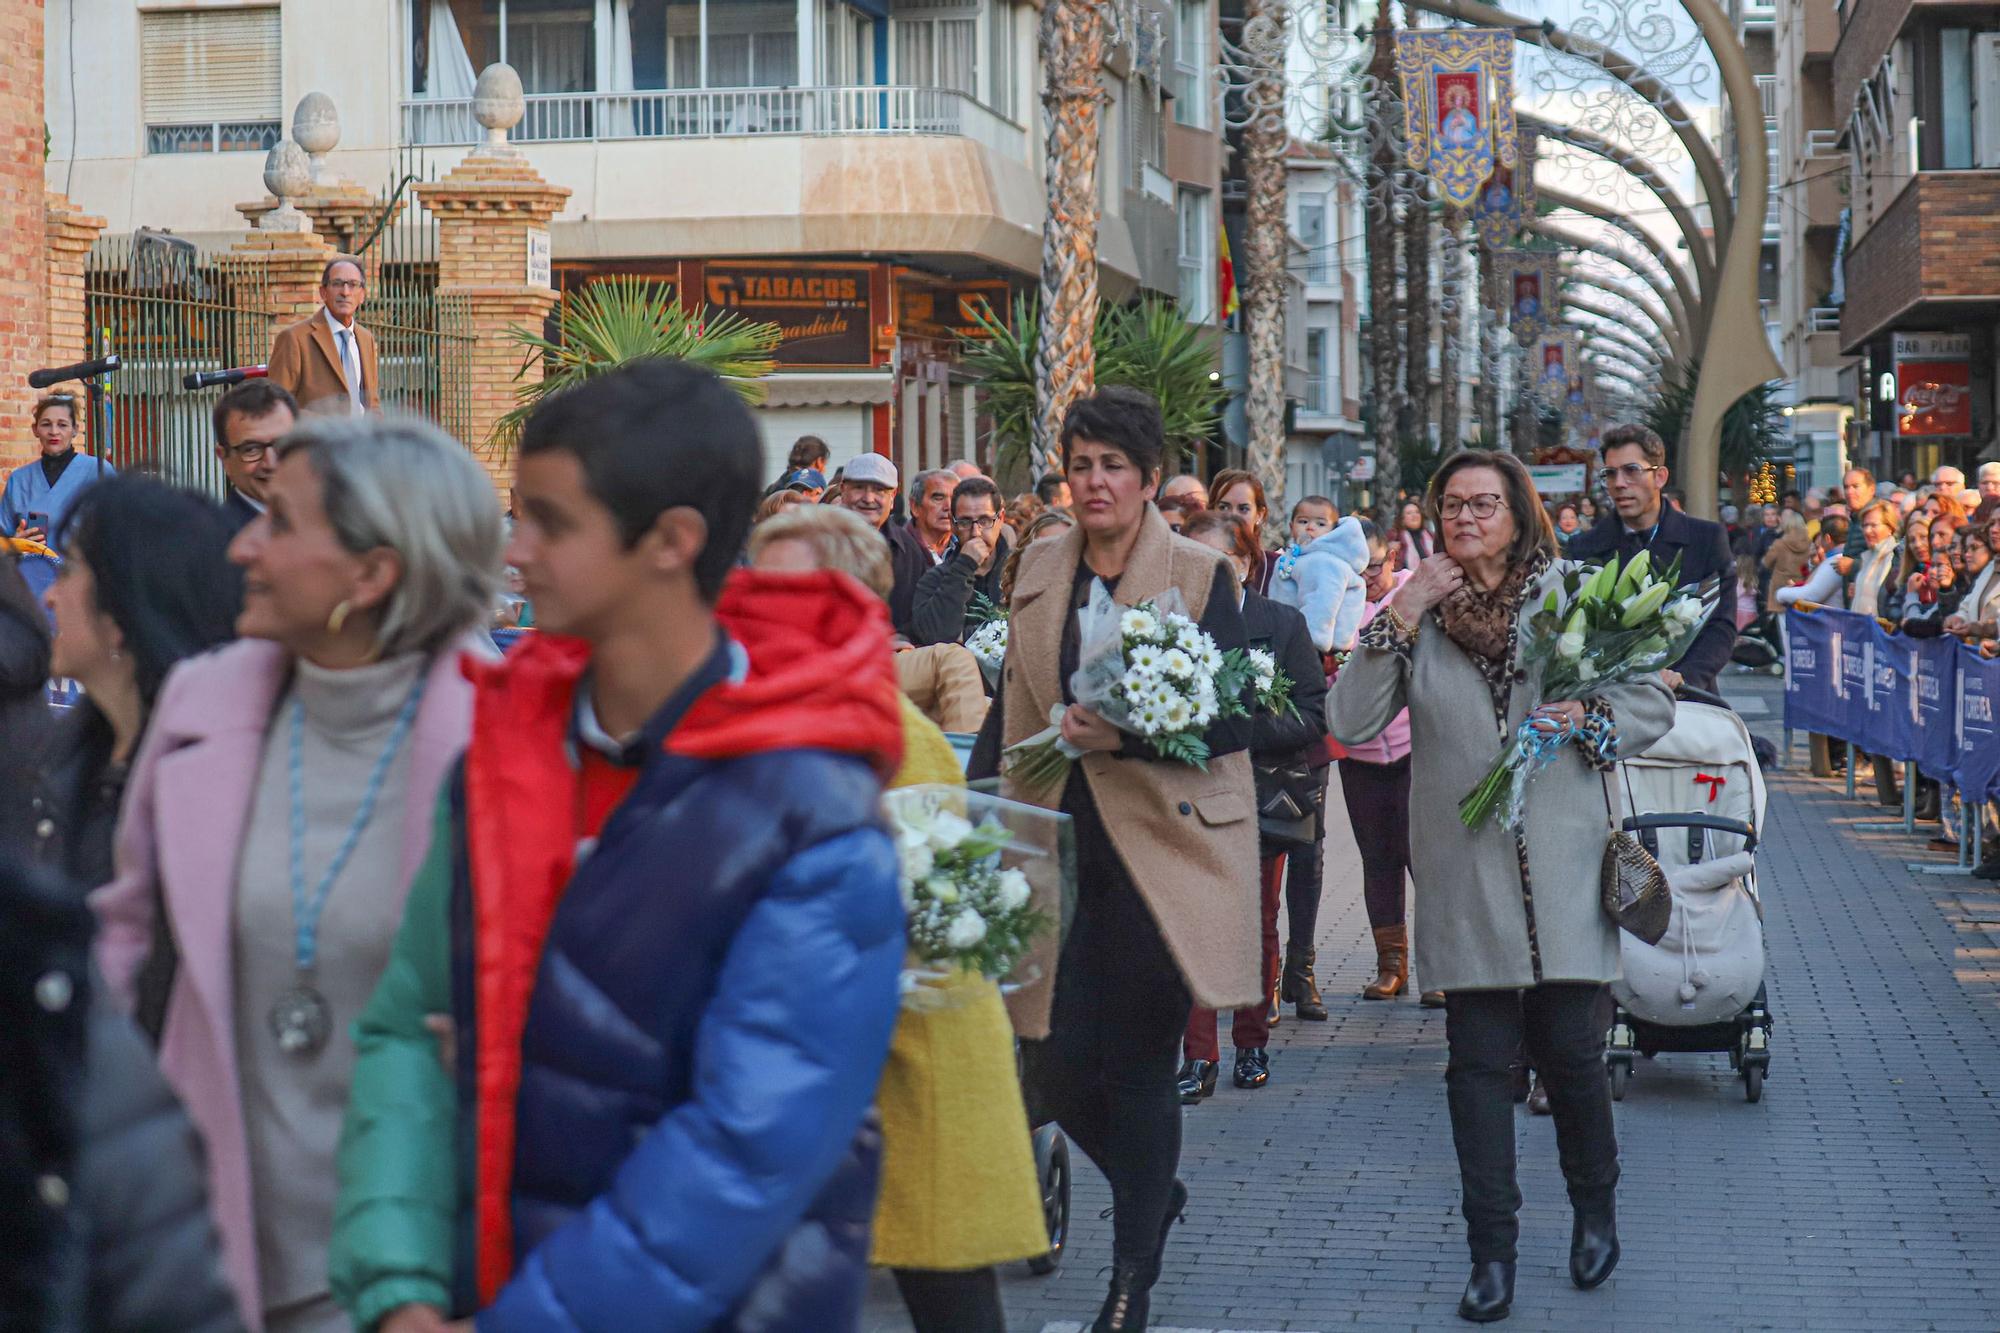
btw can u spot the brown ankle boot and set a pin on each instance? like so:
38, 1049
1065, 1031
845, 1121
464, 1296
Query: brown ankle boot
1392, 963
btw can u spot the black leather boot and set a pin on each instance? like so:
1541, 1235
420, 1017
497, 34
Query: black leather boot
1253, 1068
1300, 987
1197, 1081
1129, 1301
1489, 1293
1593, 1243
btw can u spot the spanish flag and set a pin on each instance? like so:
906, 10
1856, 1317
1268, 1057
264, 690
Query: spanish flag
1225, 272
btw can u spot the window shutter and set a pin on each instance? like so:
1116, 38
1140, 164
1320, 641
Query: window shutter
205, 65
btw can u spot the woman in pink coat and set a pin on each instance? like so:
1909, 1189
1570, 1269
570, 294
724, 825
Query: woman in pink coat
277, 810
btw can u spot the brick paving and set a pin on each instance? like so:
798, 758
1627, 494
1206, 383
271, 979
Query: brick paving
1862, 1193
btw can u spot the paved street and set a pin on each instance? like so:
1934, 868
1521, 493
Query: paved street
1862, 1193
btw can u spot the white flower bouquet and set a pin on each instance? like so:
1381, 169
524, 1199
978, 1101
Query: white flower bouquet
1149, 670
1269, 686
988, 646
975, 880
1597, 628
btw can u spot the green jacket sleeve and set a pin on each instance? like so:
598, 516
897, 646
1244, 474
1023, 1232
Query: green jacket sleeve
393, 1223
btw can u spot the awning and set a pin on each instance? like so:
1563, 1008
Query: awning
832, 389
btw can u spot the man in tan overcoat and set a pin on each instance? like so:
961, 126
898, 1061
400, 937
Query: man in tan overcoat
328, 360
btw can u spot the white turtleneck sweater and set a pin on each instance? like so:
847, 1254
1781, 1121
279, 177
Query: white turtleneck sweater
292, 1107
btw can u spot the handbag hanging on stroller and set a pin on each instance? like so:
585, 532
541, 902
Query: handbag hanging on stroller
1697, 805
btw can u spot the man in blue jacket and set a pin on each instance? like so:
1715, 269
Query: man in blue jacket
1635, 473
660, 912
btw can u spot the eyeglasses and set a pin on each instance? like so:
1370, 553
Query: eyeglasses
1482, 506
986, 523
1372, 570
346, 285
251, 451
1629, 473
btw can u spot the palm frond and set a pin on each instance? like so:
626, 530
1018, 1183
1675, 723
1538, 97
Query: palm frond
617, 320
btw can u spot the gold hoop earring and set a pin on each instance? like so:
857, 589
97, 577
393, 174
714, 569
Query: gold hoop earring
338, 620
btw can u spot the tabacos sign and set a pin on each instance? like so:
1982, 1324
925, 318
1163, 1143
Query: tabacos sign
1933, 384
822, 310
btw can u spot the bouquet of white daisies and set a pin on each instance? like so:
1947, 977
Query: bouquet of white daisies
988, 643
1269, 685
968, 871
1149, 670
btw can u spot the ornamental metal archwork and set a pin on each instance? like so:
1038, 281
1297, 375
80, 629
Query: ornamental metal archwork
1529, 288
1458, 106
1506, 202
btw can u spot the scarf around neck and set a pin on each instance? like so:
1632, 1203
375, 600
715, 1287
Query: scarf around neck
1482, 623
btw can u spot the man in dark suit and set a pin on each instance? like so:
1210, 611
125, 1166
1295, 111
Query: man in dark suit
1635, 473
328, 361
249, 421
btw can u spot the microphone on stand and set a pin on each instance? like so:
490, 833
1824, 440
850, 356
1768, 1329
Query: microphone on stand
203, 379
82, 370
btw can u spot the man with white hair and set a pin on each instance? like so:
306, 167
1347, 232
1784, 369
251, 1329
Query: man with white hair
1989, 488
1947, 482
1186, 484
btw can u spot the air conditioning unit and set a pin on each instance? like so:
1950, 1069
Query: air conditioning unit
1986, 99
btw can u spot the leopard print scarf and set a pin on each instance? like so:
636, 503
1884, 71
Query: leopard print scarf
1482, 623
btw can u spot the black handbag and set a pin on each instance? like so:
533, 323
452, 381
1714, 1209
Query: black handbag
1288, 803
1632, 886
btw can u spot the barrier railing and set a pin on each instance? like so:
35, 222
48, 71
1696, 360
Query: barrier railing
1926, 704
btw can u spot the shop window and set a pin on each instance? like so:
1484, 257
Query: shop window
1195, 212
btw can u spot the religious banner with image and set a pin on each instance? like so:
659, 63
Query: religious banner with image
1458, 106
1529, 284
1506, 203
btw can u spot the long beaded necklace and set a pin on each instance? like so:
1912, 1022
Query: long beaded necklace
301, 1020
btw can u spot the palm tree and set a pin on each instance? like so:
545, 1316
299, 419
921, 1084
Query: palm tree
1753, 429
1384, 351
1265, 243
605, 324
1145, 346
1072, 42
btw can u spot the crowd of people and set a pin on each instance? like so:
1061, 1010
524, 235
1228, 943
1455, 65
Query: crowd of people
343, 932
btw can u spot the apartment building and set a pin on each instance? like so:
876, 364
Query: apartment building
1810, 202
863, 172
1916, 94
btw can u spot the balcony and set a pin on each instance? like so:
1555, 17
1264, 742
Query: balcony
1823, 319
722, 113
1819, 28
1933, 255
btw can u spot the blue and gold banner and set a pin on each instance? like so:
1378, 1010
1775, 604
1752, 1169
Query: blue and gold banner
1458, 106
1529, 291
1557, 368
1506, 202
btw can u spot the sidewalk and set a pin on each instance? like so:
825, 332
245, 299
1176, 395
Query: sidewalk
1862, 1193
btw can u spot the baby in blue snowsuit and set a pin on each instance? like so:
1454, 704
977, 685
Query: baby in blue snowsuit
1322, 574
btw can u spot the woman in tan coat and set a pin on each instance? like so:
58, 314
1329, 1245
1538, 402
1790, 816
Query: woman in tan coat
1509, 924
1166, 854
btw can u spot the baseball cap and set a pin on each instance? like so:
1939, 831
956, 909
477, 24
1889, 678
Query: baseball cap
871, 468
806, 479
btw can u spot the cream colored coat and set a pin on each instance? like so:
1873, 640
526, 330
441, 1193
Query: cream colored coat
1188, 838
1472, 914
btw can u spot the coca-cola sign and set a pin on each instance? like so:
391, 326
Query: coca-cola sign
1933, 384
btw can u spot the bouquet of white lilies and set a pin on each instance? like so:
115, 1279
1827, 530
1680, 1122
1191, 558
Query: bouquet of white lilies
1149, 670
1597, 628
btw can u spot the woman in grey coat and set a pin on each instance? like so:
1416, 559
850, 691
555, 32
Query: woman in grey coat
1509, 924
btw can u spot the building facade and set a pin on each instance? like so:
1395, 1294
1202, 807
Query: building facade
1916, 88
865, 174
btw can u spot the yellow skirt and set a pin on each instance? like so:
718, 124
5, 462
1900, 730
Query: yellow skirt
959, 1188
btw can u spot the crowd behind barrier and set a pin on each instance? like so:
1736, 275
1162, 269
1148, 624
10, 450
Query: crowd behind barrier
1924, 701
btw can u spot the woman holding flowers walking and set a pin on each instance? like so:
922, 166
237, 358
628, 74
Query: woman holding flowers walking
1166, 851
1509, 922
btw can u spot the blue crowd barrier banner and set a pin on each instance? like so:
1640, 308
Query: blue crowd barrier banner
1853, 675
1934, 704
1978, 736
1810, 701
1886, 729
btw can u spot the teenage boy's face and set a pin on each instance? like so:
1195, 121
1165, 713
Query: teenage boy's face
574, 567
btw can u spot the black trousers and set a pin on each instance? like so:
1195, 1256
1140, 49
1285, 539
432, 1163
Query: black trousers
952, 1302
1378, 808
1560, 1024
1303, 881
1106, 1072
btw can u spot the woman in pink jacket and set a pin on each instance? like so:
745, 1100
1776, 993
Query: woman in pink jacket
280, 804
1375, 783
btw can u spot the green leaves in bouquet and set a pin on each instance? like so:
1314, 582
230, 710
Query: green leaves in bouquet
1232, 681
1182, 747
984, 610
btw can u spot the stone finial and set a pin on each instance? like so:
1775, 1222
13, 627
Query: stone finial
287, 175
316, 128
498, 105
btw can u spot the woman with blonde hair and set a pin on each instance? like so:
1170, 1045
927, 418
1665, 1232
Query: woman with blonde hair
959, 1053
280, 805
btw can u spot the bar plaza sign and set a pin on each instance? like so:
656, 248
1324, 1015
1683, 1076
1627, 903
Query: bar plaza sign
1930, 384
822, 311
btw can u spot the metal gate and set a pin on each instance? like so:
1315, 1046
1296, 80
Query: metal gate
422, 342
167, 310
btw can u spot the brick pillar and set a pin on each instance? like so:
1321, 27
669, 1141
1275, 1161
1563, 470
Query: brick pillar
487, 209
68, 233
23, 291
283, 269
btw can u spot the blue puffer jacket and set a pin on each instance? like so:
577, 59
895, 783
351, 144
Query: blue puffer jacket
669, 1053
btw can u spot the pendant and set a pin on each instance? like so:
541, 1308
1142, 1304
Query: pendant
301, 1021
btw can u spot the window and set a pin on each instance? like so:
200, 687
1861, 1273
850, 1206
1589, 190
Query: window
1316, 364
550, 43
1194, 211
1192, 90
1000, 59
1313, 236
935, 46
1955, 98
210, 80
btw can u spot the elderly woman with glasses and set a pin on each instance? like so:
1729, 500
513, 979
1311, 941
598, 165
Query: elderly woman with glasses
278, 809
1508, 921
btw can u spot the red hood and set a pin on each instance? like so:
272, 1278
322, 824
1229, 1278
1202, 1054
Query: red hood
821, 674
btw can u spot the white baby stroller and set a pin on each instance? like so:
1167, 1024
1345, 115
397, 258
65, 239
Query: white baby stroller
1696, 802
